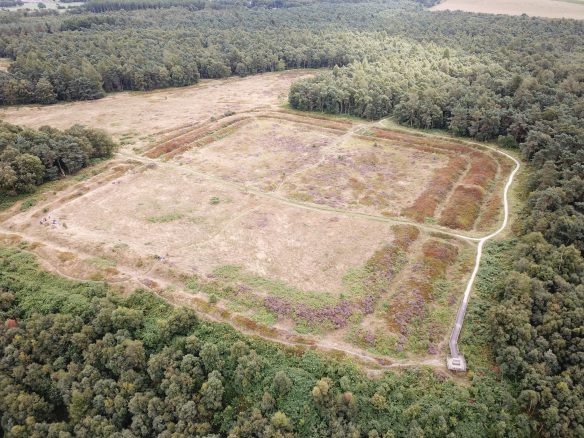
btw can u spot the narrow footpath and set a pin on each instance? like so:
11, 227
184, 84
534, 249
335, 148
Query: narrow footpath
454, 353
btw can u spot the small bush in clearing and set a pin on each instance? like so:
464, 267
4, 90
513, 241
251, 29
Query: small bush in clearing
27, 203
165, 218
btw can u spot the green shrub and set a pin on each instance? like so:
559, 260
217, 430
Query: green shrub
27, 204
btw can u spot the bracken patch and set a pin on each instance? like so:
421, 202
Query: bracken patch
425, 205
313, 121
463, 208
178, 143
417, 293
483, 170
380, 270
495, 203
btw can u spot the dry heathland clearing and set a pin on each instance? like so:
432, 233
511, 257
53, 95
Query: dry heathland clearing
534, 8
298, 226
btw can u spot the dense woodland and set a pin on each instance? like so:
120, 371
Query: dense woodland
29, 157
79, 360
89, 363
83, 56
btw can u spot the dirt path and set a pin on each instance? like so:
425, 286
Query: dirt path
178, 298
453, 343
435, 362
324, 153
298, 203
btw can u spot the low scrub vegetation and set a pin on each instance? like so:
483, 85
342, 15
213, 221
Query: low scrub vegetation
77, 358
493, 207
424, 207
463, 208
482, 172
410, 309
165, 218
186, 138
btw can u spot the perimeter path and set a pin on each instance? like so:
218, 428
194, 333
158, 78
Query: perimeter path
454, 353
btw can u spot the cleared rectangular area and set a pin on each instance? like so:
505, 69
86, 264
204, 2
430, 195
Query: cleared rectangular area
198, 224
327, 227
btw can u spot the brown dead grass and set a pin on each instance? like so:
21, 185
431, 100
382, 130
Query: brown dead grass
482, 172
307, 249
339, 124
145, 113
493, 208
260, 154
415, 297
204, 134
405, 235
365, 176
438, 256
178, 208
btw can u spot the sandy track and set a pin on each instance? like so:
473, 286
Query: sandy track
453, 342
462, 310
179, 298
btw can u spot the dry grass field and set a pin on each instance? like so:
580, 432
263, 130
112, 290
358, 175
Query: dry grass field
283, 224
144, 113
534, 8
263, 153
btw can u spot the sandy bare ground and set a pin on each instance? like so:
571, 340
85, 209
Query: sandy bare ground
534, 8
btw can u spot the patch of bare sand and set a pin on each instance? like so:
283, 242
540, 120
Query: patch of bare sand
534, 8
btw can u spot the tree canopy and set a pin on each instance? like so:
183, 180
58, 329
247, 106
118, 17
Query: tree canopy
77, 359
28, 156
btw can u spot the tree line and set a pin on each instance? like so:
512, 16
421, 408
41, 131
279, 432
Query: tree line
528, 97
10, 3
28, 157
129, 5
516, 80
84, 55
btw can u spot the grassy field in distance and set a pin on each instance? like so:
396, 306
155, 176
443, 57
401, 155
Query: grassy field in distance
50, 5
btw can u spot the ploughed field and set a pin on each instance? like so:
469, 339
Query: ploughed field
295, 226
